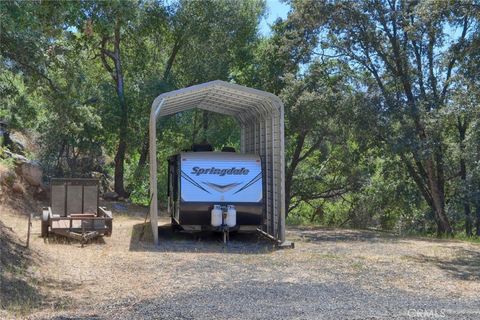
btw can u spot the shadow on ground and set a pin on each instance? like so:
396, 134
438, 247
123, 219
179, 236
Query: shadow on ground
20, 289
254, 299
325, 234
76, 317
463, 265
181, 241
16, 292
55, 239
336, 235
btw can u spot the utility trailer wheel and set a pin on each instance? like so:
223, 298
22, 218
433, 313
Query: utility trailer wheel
45, 224
44, 229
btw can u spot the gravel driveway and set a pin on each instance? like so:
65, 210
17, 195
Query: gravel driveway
331, 274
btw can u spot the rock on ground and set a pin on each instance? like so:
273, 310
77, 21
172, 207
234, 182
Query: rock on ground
32, 173
110, 196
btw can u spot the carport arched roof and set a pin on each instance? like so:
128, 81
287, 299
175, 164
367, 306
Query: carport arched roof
218, 96
260, 115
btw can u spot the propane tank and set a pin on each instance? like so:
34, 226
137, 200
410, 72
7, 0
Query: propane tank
216, 219
231, 216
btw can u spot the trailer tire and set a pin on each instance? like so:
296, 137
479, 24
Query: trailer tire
45, 223
44, 229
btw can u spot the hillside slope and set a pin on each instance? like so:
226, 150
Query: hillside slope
18, 294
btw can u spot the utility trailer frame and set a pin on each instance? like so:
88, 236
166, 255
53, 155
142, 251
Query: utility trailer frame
74, 212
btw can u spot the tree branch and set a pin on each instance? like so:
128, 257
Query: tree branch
171, 59
454, 59
311, 150
432, 78
33, 70
418, 60
103, 56
418, 180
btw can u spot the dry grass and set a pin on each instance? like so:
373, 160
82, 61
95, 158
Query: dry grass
18, 292
121, 277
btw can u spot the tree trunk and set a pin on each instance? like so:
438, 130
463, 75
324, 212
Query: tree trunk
426, 180
144, 152
438, 199
117, 75
122, 137
145, 145
122, 141
478, 219
432, 172
462, 128
466, 202
289, 173
119, 167
468, 219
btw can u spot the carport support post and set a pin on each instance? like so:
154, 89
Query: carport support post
282, 174
153, 172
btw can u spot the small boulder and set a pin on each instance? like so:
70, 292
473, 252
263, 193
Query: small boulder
18, 188
41, 193
32, 173
111, 196
7, 176
18, 143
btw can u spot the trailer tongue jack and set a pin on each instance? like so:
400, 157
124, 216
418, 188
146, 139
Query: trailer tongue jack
224, 217
229, 220
225, 228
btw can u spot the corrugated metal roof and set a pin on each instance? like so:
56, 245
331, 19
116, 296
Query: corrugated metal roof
261, 119
218, 96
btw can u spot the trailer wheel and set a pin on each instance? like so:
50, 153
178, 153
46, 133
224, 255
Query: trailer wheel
44, 229
44, 224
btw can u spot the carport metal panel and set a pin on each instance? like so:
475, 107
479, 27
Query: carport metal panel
260, 115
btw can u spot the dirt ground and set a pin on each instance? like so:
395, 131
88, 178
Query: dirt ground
331, 274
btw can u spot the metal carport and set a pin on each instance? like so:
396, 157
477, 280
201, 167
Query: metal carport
261, 118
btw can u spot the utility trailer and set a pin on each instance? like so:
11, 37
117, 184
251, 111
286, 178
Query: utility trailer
74, 211
218, 191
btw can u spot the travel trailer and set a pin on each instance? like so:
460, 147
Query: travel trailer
216, 191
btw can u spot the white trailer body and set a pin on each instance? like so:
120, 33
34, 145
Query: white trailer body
200, 180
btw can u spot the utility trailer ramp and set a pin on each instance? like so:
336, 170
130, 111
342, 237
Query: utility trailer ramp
261, 118
74, 211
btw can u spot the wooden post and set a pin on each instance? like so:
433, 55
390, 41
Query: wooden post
29, 227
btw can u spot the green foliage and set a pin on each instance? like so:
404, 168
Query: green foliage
6, 161
408, 60
18, 102
374, 119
